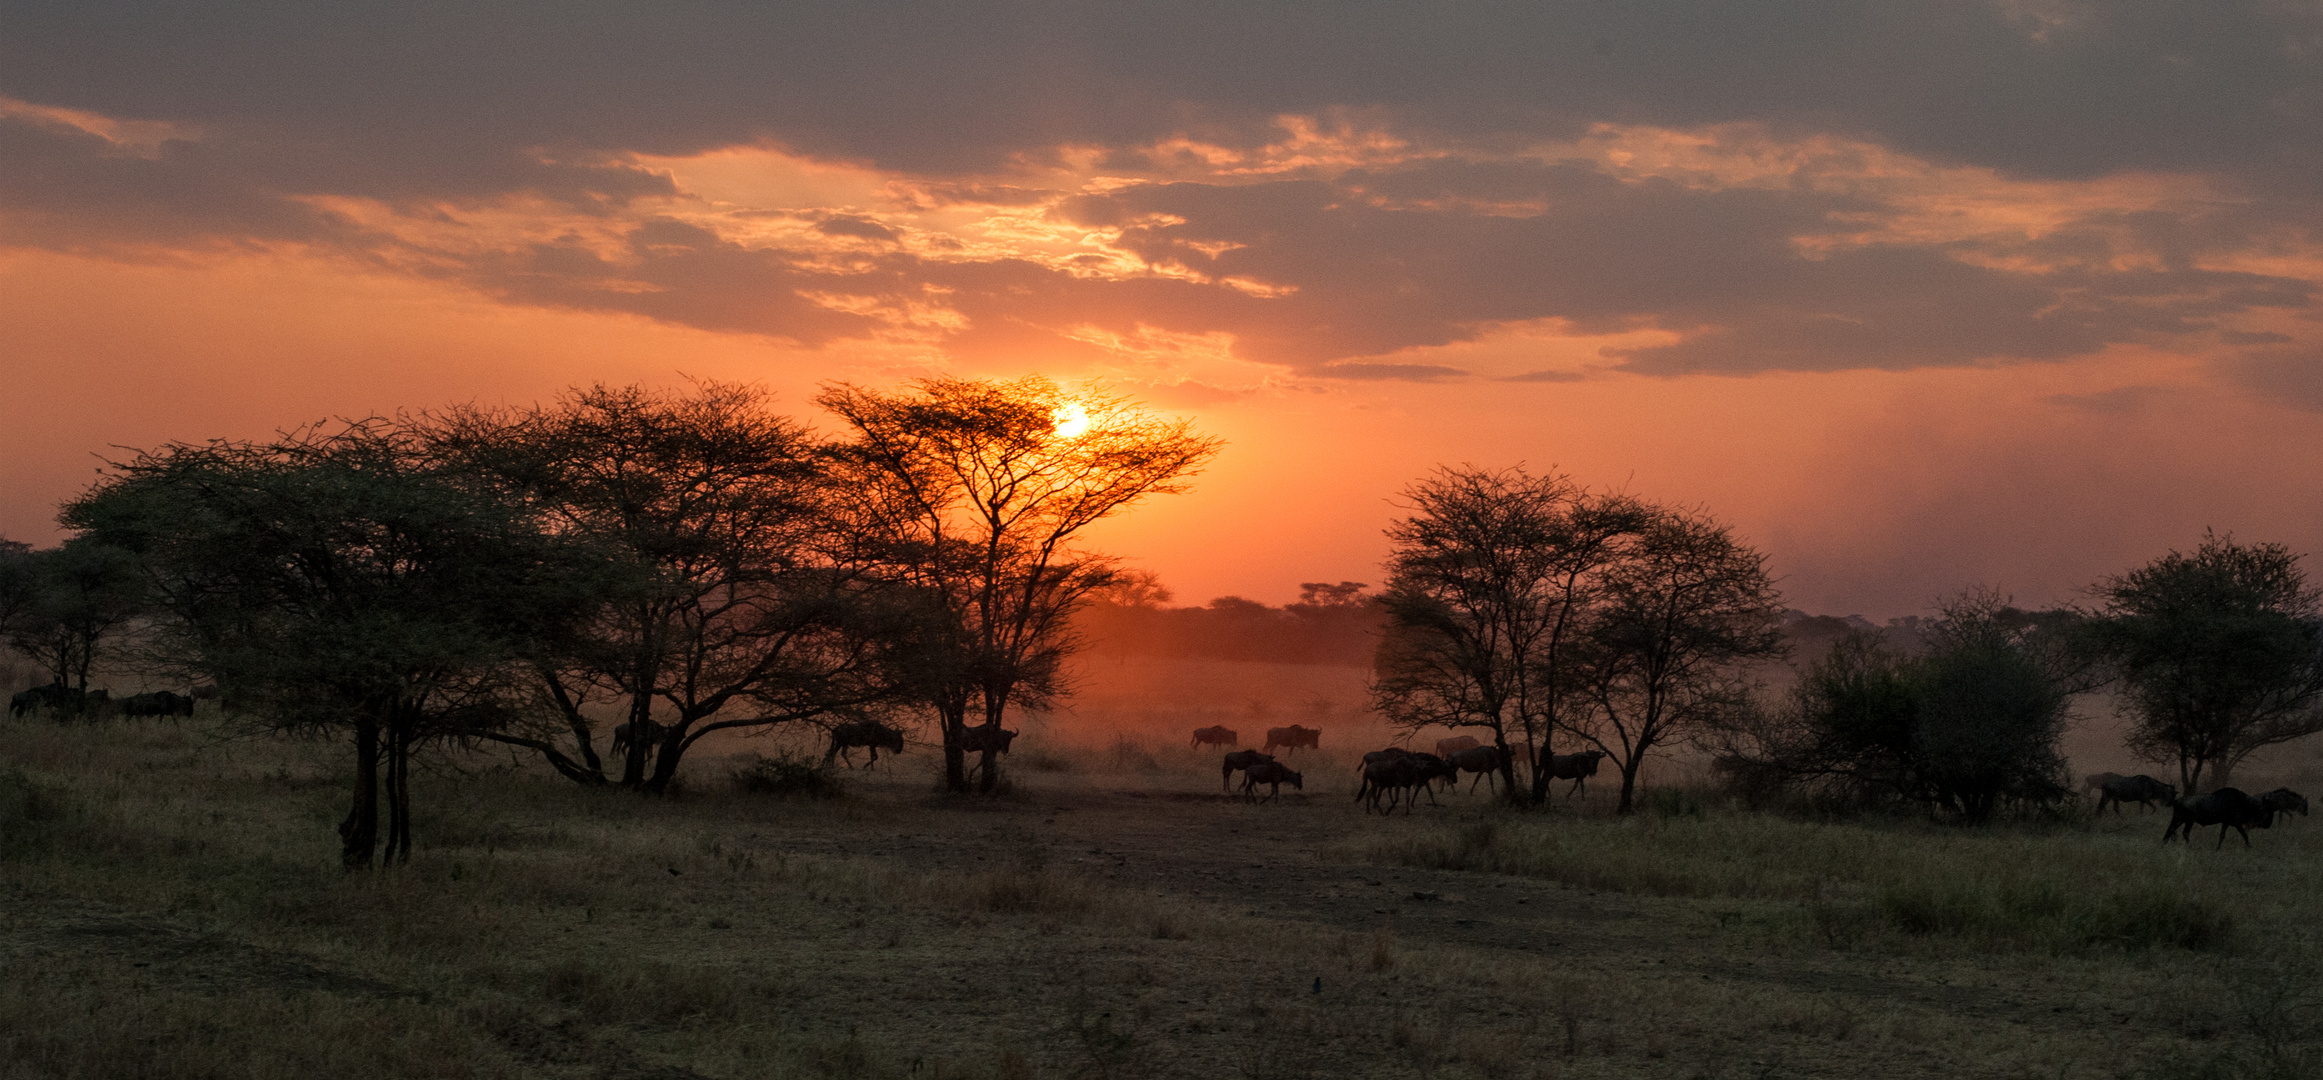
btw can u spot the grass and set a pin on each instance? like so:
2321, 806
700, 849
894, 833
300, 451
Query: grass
167, 881
2051, 889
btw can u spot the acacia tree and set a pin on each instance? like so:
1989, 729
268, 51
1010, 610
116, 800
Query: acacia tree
977, 493
2221, 651
339, 581
1682, 615
1972, 717
1489, 581
749, 607
64, 604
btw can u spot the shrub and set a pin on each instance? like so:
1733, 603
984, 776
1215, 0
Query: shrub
786, 775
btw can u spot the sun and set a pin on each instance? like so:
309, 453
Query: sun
1072, 420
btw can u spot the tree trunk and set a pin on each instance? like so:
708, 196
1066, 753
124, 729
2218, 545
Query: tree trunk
398, 848
665, 757
1629, 782
359, 833
1543, 774
955, 725
640, 715
1508, 791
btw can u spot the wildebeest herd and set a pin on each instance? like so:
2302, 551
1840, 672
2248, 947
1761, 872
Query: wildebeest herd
1398, 776
67, 702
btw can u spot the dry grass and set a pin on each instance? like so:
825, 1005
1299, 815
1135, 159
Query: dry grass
1114, 918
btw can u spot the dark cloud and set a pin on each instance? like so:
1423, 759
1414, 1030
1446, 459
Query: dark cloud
436, 107
2137, 84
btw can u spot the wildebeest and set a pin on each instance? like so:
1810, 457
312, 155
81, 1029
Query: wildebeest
1391, 772
1575, 767
977, 738
1445, 748
870, 734
61, 700
1217, 735
2140, 789
2283, 800
2226, 808
649, 737
1271, 772
2094, 783
1293, 737
1241, 760
157, 703
1484, 761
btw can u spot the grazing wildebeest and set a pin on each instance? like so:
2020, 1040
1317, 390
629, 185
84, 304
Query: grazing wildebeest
1392, 772
1575, 767
2226, 808
1484, 761
1445, 748
977, 738
1241, 760
2140, 789
1271, 772
2094, 783
157, 703
2283, 800
1218, 735
865, 733
1293, 737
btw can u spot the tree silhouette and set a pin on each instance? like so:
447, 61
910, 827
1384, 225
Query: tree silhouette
2221, 651
1490, 580
749, 606
341, 580
977, 493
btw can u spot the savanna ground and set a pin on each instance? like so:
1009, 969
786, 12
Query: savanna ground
174, 909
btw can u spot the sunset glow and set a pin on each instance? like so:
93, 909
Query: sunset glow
1907, 343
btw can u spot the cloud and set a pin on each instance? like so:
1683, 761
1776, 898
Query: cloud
2292, 377
1405, 372
1806, 187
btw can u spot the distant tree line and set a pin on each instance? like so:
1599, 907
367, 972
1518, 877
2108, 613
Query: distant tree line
688, 563
1333, 624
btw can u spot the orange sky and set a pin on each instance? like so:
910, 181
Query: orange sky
1905, 337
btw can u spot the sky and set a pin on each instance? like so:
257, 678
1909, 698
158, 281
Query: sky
1916, 296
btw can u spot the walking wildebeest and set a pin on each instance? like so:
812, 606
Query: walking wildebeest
1241, 760
624, 734
977, 738
1293, 737
2226, 808
1392, 772
1484, 761
2283, 800
1272, 772
1445, 748
1575, 767
2140, 789
870, 734
1218, 735
157, 703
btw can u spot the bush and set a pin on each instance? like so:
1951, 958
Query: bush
785, 776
